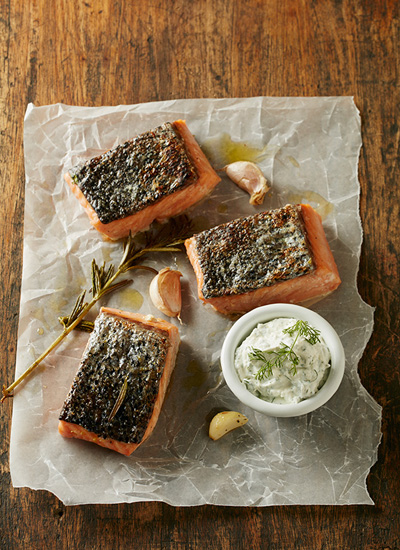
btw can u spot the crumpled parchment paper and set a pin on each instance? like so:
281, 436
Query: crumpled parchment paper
310, 153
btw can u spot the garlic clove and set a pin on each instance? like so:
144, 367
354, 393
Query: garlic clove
165, 292
225, 422
249, 177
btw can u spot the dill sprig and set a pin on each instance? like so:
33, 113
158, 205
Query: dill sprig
284, 352
167, 238
304, 329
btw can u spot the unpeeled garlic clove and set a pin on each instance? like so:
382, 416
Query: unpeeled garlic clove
225, 422
165, 292
249, 177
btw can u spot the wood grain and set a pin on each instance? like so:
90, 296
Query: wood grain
99, 52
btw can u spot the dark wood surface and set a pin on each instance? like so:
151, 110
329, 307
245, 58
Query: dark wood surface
105, 52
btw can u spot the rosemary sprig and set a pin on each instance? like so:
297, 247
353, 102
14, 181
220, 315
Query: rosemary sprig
285, 352
167, 239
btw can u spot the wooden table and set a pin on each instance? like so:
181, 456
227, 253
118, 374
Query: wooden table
105, 52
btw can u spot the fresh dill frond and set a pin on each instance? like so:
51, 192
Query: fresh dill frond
304, 329
266, 368
272, 358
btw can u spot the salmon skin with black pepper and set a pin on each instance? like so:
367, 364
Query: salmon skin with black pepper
117, 394
154, 176
276, 256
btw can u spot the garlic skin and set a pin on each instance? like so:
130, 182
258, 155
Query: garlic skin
165, 292
249, 177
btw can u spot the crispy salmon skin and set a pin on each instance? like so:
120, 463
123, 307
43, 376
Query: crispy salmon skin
154, 176
117, 394
276, 256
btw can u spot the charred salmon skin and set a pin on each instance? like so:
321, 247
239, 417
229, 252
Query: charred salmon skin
154, 176
276, 256
117, 394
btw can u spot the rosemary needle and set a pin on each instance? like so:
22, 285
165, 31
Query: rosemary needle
166, 239
120, 399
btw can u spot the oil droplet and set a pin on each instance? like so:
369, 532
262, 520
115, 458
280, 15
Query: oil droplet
222, 208
81, 282
40, 331
319, 203
107, 254
57, 304
198, 376
131, 298
39, 315
222, 150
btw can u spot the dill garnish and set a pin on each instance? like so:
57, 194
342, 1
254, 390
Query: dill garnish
284, 352
167, 238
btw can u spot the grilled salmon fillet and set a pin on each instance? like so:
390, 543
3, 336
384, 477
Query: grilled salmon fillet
276, 256
117, 394
154, 176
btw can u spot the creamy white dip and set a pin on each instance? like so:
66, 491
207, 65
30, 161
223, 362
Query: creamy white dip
282, 386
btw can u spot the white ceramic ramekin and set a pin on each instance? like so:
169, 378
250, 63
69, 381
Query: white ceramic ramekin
244, 326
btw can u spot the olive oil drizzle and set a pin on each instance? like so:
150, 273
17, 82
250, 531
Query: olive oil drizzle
222, 150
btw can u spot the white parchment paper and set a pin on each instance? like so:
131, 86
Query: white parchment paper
311, 149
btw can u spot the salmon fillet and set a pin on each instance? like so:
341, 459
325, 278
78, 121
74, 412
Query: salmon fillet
155, 176
117, 394
276, 256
